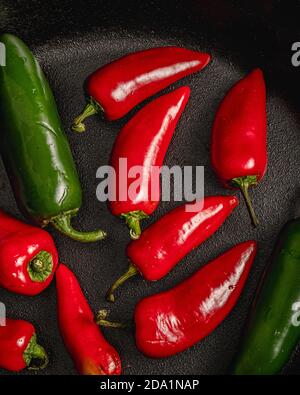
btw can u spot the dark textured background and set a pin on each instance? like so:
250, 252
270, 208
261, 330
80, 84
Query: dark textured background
72, 40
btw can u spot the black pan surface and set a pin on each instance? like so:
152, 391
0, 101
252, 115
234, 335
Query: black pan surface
71, 40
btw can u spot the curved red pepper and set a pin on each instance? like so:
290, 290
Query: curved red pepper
120, 85
172, 321
144, 142
163, 244
91, 353
18, 346
28, 256
239, 136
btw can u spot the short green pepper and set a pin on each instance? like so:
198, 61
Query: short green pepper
273, 329
34, 147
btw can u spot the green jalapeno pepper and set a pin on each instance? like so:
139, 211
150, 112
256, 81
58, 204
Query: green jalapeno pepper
34, 147
273, 329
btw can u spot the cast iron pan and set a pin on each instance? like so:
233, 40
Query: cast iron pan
72, 40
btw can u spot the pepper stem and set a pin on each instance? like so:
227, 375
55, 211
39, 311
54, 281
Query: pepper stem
132, 220
35, 352
244, 183
63, 224
40, 267
132, 271
90, 109
101, 320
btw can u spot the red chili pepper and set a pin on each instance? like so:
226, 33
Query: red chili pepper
18, 347
239, 136
172, 321
119, 86
91, 353
28, 256
144, 142
163, 244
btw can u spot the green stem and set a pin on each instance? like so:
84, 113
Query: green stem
90, 109
101, 321
132, 271
63, 224
244, 183
35, 352
132, 220
40, 267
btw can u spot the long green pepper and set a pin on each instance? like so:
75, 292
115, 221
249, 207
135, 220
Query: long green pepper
273, 329
34, 147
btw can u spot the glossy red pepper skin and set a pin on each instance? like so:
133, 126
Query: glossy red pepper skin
91, 353
18, 346
143, 142
172, 321
239, 135
28, 256
119, 86
163, 244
